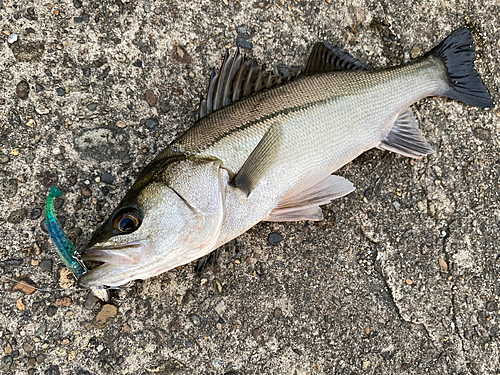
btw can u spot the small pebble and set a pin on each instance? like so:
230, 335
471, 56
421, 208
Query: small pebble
195, 319
90, 301
220, 307
120, 57
396, 205
277, 313
274, 239
20, 304
415, 52
66, 278
46, 264
64, 301
151, 123
7, 361
107, 313
12, 38
137, 63
17, 216
60, 91
25, 285
107, 178
86, 192
443, 265
217, 286
4, 159
86, 72
104, 74
12, 262
22, 90
52, 370
409, 281
491, 306
243, 43
92, 106
150, 98
35, 213
39, 88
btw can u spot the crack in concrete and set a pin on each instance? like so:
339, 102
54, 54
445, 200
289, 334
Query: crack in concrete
454, 302
380, 270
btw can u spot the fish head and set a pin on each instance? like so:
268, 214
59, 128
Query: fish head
168, 218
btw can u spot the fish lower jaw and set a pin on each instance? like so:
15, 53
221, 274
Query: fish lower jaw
118, 273
113, 275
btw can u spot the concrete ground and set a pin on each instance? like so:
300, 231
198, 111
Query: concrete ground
400, 278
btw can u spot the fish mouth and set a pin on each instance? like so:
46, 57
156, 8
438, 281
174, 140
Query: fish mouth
130, 253
117, 263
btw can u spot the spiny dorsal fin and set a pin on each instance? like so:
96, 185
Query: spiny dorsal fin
404, 138
326, 58
237, 78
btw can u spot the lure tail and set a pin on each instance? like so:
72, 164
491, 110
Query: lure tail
65, 249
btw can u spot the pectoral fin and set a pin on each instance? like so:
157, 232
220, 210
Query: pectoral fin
303, 201
404, 138
260, 161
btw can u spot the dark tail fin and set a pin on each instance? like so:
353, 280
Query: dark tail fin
457, 54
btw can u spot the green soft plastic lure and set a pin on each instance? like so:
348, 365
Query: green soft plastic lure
64, 247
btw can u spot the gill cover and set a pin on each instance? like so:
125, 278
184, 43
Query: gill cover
175, 217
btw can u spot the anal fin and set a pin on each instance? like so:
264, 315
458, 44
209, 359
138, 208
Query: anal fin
296, 214
303, 201
404, 138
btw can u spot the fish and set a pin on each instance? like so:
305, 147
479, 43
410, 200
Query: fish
264, 148
64, 247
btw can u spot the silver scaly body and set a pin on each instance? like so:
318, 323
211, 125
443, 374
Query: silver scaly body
270, 155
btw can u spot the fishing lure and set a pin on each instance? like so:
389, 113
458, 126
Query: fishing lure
64, 248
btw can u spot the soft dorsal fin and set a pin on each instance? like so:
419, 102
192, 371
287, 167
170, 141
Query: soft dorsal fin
405, 138
326, 58
303, 201
237, 78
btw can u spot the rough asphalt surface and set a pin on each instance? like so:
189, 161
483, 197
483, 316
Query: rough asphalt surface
400, 278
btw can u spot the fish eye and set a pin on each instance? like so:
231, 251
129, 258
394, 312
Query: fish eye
126, 221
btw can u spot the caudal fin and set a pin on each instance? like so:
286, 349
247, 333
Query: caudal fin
457, 54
